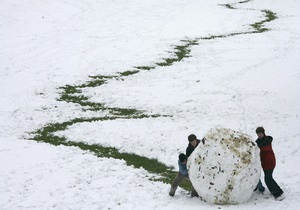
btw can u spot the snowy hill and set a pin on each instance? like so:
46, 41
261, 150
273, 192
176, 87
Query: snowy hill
139, 77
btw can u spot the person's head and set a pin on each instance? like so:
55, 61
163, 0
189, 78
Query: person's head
182, 158
193, 140
260, 131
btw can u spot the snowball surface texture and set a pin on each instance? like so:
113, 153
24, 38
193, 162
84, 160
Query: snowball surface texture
226, 169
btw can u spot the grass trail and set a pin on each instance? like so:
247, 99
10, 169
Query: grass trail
73, 94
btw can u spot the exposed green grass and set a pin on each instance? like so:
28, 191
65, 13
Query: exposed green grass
270, 16
258, 26
228, 6
74, 94
144, 67
214, 37
180, 51
165, 173
125, 112
128, 73
242, 2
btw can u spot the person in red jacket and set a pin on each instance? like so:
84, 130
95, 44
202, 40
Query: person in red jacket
268, 162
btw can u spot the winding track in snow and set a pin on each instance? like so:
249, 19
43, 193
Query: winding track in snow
73, 94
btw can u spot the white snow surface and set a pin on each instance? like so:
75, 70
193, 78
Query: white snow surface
237, 82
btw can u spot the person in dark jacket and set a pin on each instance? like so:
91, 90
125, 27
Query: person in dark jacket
268, 162
181, 175
193, 143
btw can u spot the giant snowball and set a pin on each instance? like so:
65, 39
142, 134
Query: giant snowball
225, 169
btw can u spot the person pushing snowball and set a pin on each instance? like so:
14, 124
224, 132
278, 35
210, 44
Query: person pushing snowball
181, 175
268, 162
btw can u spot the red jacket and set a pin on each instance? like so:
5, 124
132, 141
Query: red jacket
267, 156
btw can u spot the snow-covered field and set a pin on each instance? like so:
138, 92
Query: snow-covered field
235, 81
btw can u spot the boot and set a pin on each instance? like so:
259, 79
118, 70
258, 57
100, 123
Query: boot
172, 191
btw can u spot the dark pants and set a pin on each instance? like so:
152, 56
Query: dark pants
178, 179
273, 187
260, 187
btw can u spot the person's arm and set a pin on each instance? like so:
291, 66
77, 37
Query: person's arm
188, 151
266, 141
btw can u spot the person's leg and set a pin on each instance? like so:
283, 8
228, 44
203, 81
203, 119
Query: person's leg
268, 180
178, 179
194, 192
277, 190
260, 186
272, 185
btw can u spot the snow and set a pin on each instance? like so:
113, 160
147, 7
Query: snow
234, 81
225, 168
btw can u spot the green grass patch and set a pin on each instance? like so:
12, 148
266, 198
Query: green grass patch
73, 94
228, 6
180, 51
144, 67
129, 73
270, 16
125, 111
242, 2
214, 37
165, 173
